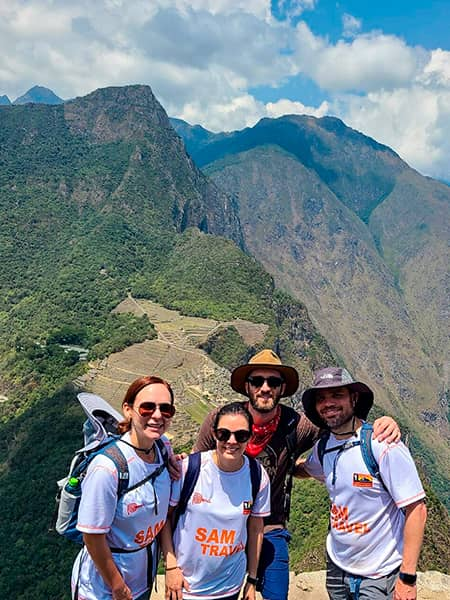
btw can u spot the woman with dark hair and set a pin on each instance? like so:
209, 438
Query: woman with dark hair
116, 561
218, 537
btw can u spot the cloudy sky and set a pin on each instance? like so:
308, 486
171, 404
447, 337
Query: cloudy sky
383, 67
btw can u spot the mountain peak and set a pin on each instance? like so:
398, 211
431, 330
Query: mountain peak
4, 101
39, 95
114, 113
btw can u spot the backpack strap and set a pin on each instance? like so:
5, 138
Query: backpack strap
112, 451
367, 452
292, 455
255, 476
322, 444
190, 479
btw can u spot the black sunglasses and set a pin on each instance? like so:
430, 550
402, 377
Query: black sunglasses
146, 409
241, 435
258, 380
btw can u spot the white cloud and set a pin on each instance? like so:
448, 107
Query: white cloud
368, 63
201, 58
240, 111
437, 71
258, 8
291, 9
289, 107
350, 26
414, 121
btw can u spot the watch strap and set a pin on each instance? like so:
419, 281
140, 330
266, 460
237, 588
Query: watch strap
407, 578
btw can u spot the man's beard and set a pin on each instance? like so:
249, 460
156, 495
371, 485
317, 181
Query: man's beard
264, 409
338, 421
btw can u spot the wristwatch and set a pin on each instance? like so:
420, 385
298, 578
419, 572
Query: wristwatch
407, 578
252, 580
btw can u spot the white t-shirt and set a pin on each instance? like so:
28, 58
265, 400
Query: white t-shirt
211, 535
131, 522
366, 533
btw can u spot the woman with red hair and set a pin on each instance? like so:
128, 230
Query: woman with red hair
118, 559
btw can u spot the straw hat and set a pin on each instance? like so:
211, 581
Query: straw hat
266, 359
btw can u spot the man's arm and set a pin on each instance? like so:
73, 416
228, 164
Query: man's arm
307, 434
205, 441
415, 518
300, 472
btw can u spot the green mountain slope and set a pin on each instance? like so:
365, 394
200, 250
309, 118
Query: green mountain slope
92, 192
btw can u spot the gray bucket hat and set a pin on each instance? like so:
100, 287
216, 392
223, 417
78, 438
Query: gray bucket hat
331, 377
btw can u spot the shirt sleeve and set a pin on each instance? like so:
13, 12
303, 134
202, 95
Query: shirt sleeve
399, 473
261, 507
312, 465
98, 496
175, 491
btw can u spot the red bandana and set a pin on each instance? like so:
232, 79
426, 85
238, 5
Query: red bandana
261, 435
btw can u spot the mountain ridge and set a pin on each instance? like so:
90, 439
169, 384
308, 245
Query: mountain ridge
387, 270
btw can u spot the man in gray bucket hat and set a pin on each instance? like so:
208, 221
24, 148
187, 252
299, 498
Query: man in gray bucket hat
377, 514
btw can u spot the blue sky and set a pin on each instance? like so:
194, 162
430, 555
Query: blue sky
382, 67
419, 22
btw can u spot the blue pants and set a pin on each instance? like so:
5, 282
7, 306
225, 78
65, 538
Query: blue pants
273, 570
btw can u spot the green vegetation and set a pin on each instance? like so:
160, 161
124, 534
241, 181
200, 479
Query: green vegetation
308, 525
226, 347
209, 277
36, 449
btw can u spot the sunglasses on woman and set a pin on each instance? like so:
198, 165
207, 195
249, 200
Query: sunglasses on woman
258, 380
241, 435
146, 409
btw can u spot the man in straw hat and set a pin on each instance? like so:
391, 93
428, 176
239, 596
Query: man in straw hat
279, 436
377, 515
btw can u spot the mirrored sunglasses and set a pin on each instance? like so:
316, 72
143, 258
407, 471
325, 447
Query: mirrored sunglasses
258, 380
241, 435
146, 409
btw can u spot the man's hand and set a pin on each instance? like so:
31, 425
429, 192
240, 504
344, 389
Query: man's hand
122, 593
174, 465
386, 429
403, 591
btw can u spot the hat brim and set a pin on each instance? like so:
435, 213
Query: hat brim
362, 407
289, 374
